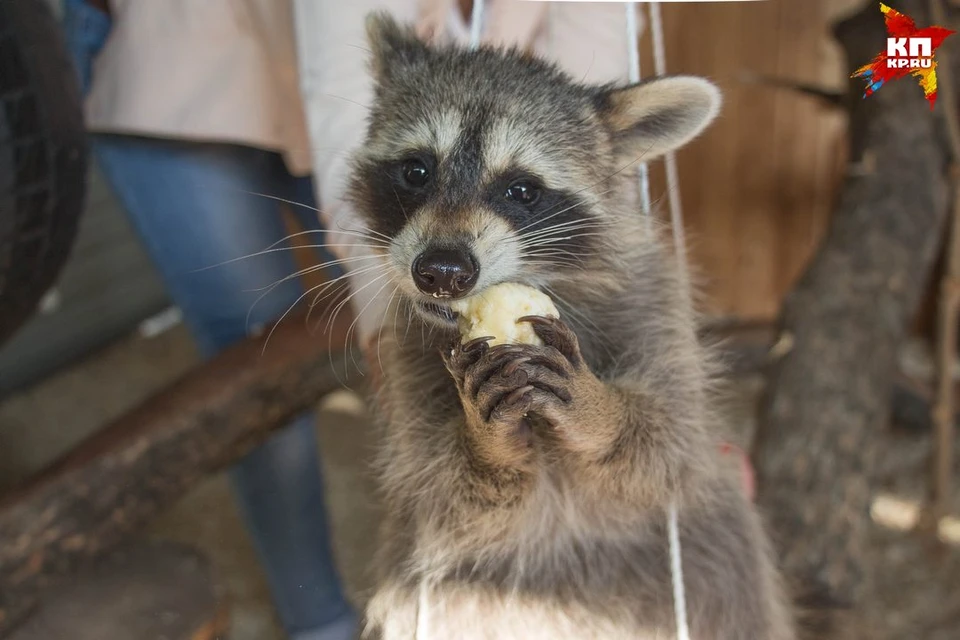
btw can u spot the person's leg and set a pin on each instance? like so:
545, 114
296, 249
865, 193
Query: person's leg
194, 207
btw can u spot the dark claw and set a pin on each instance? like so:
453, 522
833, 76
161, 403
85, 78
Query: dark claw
510, 348
475, 343
517, 395
511, 368
541, 320
555, 333
459, 358
553, 360
547, 379
499, 405
489, 364
562, 394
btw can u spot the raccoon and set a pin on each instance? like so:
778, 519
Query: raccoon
526, 488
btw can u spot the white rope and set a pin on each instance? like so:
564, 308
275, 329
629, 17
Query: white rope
676, 575
423, 608
633, 54
670, 160
476, 23
676, 220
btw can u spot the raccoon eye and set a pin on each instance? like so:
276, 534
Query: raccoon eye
415, 173
523, 193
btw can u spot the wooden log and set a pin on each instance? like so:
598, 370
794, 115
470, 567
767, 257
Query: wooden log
846, 318
113, 483
139, 592
750, 348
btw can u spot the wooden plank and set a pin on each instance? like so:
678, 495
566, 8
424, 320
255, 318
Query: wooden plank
759, 186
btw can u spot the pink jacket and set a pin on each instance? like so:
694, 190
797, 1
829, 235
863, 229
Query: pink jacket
212, 70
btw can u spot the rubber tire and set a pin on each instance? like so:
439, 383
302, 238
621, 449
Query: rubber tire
43, 157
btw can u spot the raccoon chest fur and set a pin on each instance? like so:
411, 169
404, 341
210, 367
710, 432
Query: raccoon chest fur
443, 615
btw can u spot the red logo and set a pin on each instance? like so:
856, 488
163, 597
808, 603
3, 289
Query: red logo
909, 51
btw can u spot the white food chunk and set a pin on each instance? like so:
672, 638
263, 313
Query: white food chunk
495, 311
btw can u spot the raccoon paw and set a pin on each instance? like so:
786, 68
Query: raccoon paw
557, 334
489, 379
494, 390
573, 404
510, 392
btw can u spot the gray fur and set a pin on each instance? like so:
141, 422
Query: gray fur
550, 522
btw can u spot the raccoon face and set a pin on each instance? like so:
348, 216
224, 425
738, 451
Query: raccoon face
489, 166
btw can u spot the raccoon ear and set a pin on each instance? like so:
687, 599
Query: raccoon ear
393, 45
653, 117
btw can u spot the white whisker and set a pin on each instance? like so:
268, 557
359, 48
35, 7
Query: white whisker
336, 311
302, 272
358, 272
357, 318
383, 321
284, 200
313, 269
353, 294
366, 230
541, 220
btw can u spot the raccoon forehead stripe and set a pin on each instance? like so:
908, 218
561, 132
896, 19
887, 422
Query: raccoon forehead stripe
507, 146
437, 132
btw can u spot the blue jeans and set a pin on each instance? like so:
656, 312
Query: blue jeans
194, 206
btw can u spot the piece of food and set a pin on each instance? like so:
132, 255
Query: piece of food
494, 312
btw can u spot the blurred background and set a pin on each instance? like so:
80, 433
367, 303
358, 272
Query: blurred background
766, 176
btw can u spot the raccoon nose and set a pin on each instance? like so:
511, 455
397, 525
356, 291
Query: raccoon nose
445, 273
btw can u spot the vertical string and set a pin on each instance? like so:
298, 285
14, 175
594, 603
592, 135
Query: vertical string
423, 608
676, 575
476, 23
670, 160
633, 55
676, 220
633, 42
